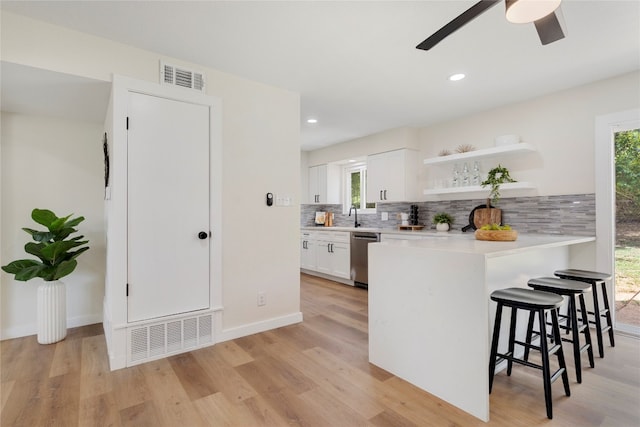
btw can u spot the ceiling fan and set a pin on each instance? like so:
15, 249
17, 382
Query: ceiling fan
545, 14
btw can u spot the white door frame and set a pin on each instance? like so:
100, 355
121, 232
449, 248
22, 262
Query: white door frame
115, 300
605, 128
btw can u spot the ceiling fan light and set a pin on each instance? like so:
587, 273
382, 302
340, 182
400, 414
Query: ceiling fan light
525, 11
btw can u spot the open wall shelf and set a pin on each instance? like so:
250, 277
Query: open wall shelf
478, 189
503, 151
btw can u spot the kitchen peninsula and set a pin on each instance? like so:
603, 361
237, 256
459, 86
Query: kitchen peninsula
430, 314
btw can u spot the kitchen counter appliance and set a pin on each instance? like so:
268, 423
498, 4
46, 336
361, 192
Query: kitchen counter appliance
359, 256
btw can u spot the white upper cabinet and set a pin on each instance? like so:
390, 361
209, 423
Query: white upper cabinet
392, 176
324, 184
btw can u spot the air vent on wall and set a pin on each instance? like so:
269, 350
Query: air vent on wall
181, 76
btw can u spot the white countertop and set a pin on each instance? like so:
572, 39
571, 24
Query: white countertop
466, 243
457, 241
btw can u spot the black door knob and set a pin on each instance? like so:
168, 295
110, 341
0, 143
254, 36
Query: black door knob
202, 235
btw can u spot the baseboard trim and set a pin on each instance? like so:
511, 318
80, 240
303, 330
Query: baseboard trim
257, 327
32, 328
328, 277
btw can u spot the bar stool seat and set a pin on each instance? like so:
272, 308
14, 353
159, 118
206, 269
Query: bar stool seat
593, 278
535, 302
570, 289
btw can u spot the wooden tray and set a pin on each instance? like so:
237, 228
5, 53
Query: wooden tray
410, 227
497, 235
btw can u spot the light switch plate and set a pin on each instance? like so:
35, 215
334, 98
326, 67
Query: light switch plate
384, 216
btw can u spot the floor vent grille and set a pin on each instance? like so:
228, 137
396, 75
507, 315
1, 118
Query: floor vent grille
155, 340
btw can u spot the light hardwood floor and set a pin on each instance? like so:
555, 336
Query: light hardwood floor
312, 374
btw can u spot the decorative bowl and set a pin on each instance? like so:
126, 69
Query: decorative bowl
497, 235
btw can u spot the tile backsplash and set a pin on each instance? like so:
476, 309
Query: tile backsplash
573, 214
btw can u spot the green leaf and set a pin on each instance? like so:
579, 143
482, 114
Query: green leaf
74, 221
36, 249
74, 255
42, 236
43, 216
58, 223
65, 268
19, 265
63, 233
30, 272
56, 250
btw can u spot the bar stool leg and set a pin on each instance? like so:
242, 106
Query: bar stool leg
546, 372
512, 338
560, 353
587, 331
575, 337
605, 301
529, 336
494, 345
596, 315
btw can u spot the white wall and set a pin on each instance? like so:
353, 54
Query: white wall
51, 164
261, 154
392, 139
560, 125
388, 140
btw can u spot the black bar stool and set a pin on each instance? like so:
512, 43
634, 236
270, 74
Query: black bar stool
570, 289
534, 302
593, 277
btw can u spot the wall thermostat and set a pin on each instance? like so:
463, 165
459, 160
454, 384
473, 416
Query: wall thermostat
269, 199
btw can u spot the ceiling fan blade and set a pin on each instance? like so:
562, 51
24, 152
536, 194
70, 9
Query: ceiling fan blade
551, 27
461, 20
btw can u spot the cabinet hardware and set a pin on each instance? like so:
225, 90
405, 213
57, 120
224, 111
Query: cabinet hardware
381, 195
385, 194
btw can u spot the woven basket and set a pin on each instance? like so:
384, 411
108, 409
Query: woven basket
497, 235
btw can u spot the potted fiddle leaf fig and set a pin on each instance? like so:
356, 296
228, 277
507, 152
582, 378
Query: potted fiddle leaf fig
56, 252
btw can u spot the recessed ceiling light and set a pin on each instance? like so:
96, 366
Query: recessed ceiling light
312, 121
351, 161
456, 77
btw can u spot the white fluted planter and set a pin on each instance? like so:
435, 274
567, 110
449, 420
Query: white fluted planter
52, 312
442, 226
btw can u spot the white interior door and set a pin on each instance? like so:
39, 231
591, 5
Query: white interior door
168, 206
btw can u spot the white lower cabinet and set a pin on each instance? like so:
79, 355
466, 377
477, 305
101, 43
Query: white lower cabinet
307, 251
331, 252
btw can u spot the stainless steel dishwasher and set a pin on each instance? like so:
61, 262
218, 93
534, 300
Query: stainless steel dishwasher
359, 256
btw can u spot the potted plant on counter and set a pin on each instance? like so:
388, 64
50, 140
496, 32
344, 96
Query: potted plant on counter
491, 215
56, 252
442, 221
496, 176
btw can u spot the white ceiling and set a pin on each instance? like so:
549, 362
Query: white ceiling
355, 63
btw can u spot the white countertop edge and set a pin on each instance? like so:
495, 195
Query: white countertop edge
425, 231
525, 242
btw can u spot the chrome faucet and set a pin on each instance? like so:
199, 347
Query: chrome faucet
356, 224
